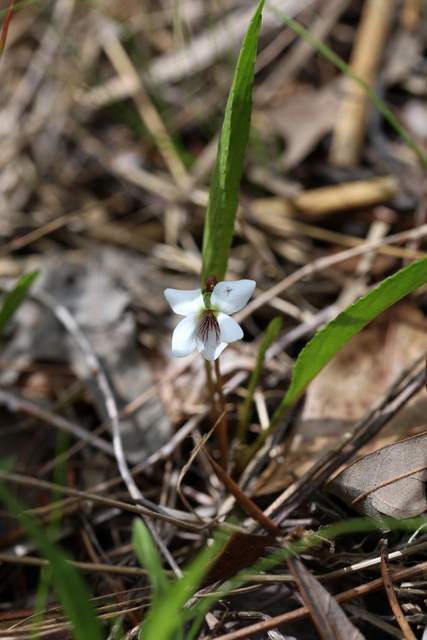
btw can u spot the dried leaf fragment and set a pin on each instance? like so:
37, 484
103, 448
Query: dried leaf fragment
327, 615
388, 482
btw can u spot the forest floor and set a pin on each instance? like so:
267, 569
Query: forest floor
109, 121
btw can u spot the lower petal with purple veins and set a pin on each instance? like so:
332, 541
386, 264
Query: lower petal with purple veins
208, 335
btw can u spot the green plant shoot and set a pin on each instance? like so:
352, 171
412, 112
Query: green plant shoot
270, 335
327, 342
71, 589
169, 611
225, 183
149, 558
15, 298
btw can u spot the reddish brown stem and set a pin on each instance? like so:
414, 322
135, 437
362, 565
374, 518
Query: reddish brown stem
242, 499
222, 430
6, 27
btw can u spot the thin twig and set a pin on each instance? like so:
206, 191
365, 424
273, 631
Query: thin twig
303, 612
28, 481
186, 467
392, 598
15, 403
364, 429
84, 566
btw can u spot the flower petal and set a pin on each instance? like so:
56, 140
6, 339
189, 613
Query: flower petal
184, 336
209, 351
230, 331
208, 335
185, 302
230, 297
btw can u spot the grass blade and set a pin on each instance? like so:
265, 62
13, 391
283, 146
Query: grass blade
168, 613
46, 574
147, 554
272, 331
16, 297
69, 586
225, 183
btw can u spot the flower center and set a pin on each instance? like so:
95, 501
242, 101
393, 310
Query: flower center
208, 330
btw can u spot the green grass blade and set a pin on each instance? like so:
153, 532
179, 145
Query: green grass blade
272, 331
327, 342
225, 183
149, 558
71, 590
168, 615
14, 298
342, 66
46, 574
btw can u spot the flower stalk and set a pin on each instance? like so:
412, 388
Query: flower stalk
222, 429
211, 392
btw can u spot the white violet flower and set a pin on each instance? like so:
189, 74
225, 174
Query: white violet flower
207, 325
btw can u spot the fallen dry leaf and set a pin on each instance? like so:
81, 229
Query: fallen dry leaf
389, 482
327, 615
305, 119
240, 551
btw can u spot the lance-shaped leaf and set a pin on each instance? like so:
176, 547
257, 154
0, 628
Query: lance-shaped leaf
327, 342
225, 183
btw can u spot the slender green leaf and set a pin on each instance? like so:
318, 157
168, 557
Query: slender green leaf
225, 183
69, 585
168, 614
149, 558
345, 68
327, 342
46, 574
272, 331
14, 298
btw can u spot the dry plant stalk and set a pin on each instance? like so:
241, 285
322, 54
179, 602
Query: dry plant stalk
367, 52
315, 203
